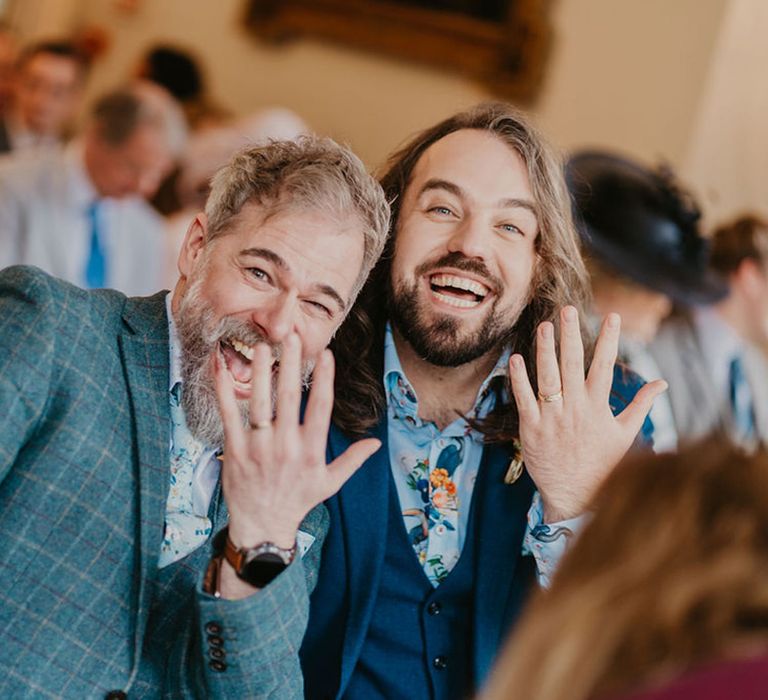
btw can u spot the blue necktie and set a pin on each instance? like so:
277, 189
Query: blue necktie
741, 400
96, 265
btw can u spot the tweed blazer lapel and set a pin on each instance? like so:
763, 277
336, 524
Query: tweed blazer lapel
500, 585
145, 354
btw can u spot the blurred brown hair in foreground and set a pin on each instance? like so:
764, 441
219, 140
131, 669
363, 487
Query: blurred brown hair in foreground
670, 574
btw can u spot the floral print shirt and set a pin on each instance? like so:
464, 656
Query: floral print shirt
435, 472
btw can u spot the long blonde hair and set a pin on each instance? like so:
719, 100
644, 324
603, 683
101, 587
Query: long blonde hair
672, 571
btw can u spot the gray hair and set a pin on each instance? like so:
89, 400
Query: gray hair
117, 114
310, 173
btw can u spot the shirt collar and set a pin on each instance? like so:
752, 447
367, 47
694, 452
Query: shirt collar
174, 346
719, 341
82, 190
401, 396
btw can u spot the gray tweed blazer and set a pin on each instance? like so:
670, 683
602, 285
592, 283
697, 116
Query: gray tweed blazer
84, 439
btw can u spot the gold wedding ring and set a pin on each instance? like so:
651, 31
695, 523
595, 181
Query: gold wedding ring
549, 398
259, 424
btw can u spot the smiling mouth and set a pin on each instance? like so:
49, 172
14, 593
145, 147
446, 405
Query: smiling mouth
238, 357
458, 291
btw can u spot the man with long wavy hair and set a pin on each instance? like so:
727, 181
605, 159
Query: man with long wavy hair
449, 358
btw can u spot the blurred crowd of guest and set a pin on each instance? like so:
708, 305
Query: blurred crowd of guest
102, 195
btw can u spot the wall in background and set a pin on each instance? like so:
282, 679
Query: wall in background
624, 75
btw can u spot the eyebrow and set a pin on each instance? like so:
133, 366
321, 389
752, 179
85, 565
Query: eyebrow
278, 262
454, 189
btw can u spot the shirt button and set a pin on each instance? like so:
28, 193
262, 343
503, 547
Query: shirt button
434, 608
115, 695
217, 653
218, 666
439, 529
215, 641
440, 663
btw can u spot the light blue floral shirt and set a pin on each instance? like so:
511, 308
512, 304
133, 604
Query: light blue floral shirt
435, 472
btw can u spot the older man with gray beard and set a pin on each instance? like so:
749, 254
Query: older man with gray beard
112, 475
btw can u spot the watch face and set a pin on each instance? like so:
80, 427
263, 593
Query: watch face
260, 570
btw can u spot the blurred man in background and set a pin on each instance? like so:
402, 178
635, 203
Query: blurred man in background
81, 213
644, 251
47, 87
8, 52
711, 355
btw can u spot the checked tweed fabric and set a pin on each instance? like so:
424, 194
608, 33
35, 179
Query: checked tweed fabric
84, 476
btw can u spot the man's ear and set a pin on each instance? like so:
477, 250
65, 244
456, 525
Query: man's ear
193, 245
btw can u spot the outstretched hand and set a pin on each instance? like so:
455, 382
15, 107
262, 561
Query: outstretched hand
275, 472
570, 438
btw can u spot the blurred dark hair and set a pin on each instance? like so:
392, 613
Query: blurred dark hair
670, 573
176, 70
560, 277
61, 49
743, 238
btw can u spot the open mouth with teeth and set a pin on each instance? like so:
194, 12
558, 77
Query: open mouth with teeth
238, 357
458, 291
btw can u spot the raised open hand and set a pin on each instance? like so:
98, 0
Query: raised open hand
275, 472
569, 436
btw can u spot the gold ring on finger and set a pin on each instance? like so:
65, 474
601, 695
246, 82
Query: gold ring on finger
549, 398
259, 424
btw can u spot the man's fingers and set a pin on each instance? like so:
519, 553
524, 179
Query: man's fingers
347, 463
571, 353
600, 377
234, 433
525, 399
289, 384
632, 416
547, 368
317, 416
260, 407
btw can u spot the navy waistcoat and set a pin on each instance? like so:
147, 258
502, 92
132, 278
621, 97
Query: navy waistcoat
426, 653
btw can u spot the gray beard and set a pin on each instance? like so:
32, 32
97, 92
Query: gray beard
199, 333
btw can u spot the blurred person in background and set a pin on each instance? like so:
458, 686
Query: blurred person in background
81, 213
712, 356
207, 151
180, 73
643, 250
8, 54
47, 88
669, 577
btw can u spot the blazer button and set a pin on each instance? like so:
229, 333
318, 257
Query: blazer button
215, 641
216, 653
213, 628
434, 608
440, 663
115, 695
218, 666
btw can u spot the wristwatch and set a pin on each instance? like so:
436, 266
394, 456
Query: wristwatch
255, 565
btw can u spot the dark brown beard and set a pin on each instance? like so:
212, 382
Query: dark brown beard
439, 342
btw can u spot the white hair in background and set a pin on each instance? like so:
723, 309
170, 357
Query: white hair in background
211, 148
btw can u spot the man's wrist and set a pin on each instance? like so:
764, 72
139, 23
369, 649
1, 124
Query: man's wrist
247, 536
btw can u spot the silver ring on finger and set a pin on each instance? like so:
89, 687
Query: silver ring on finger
550, 398
260, 424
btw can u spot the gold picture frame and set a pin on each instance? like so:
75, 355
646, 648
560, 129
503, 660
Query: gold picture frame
502, 43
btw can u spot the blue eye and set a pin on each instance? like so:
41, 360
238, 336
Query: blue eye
317, 306
443, 211
258, 273
511, 228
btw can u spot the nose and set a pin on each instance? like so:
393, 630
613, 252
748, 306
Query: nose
469, 238
277, 318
